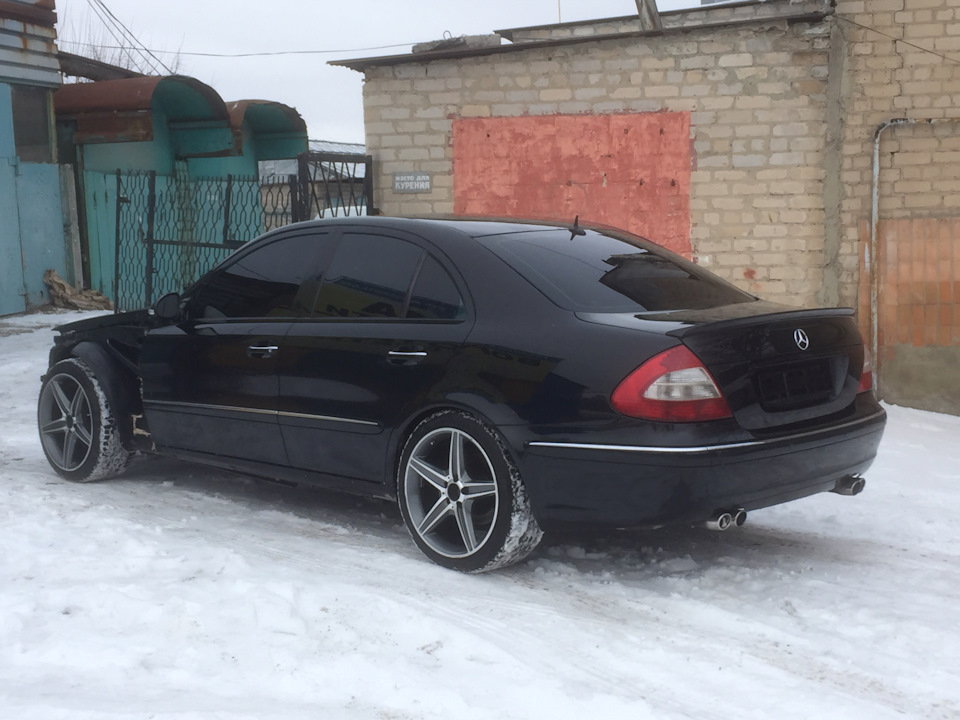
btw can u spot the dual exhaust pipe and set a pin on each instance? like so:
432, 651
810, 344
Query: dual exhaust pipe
726, 519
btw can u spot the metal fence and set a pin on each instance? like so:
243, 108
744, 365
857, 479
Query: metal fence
170, 230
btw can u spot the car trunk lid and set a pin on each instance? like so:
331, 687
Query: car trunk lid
774, 365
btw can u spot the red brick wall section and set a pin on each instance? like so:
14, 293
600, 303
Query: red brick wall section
628, 170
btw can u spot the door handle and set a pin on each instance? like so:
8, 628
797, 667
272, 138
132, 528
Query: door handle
261, 351
405, 357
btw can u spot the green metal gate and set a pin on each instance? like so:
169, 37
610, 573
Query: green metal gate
171, 230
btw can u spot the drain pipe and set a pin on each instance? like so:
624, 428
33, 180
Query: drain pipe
870, 260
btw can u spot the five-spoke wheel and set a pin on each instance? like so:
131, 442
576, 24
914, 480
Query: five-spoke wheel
66, 423
77, 432
461, 496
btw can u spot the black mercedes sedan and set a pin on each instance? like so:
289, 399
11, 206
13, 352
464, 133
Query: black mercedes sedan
496, 378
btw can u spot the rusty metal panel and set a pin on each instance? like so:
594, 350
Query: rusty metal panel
114, 127
109, 95
122, 110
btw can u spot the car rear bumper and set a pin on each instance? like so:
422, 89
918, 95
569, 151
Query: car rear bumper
587, 481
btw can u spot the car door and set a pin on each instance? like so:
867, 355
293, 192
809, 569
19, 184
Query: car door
386, 321
210, 382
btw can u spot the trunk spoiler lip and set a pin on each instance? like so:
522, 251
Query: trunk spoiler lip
779, 316
683, 323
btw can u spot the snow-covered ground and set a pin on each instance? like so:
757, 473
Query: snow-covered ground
178, 592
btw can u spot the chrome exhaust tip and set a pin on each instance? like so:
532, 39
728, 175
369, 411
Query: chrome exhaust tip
721, 521
850, 485
740, 517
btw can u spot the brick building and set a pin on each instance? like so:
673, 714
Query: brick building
740, 134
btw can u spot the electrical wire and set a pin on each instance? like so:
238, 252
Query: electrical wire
109, 28
900, 40
132, 37
129, 44
247, 54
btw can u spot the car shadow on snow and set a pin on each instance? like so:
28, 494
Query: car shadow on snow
670, 551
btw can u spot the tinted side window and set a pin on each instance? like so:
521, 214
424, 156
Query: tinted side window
369, 276
435, 297
275, 280
596, 272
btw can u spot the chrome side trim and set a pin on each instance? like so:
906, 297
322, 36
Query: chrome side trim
205, 406
699, 450
328, 418
258, 411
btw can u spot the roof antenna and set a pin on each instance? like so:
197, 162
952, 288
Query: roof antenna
576, 229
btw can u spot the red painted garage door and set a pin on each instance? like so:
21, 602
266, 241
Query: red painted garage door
630, 171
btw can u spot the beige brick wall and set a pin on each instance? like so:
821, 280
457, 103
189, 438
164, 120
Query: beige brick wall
895, 68
756, 97
783, 120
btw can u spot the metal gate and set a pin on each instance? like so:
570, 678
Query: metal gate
333, 184
170, 230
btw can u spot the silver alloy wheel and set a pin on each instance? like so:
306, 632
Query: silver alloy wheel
66, 422
451, 493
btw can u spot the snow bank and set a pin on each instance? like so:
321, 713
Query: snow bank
183, 593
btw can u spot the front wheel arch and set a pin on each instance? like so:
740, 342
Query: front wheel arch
120, 386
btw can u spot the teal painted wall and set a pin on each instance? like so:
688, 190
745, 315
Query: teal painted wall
7, 147
11, 269
41, 228
99, 197
11, 264
31, 222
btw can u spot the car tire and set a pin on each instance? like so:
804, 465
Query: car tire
461, 495
78, 432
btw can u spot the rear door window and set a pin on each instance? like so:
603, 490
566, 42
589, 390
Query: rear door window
597, 272
370, 276
435, 295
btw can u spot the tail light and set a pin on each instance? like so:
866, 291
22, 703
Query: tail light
866, 375
673, 386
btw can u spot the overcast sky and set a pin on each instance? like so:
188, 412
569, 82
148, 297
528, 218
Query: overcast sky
328, 98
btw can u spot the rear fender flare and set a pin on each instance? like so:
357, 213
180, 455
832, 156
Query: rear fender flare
486, 411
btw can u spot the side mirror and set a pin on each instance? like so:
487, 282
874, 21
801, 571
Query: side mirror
168, 307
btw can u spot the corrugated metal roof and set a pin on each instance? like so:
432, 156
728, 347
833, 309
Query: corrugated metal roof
184, 98
80, 66
265, 116
28, 47
122, 110
337, 147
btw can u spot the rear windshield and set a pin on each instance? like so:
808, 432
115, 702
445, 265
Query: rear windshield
599, 272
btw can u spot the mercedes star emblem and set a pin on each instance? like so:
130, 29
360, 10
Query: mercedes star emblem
801, 339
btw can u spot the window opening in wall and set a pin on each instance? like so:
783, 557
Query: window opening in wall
31, 123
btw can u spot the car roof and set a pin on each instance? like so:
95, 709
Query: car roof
472, 226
